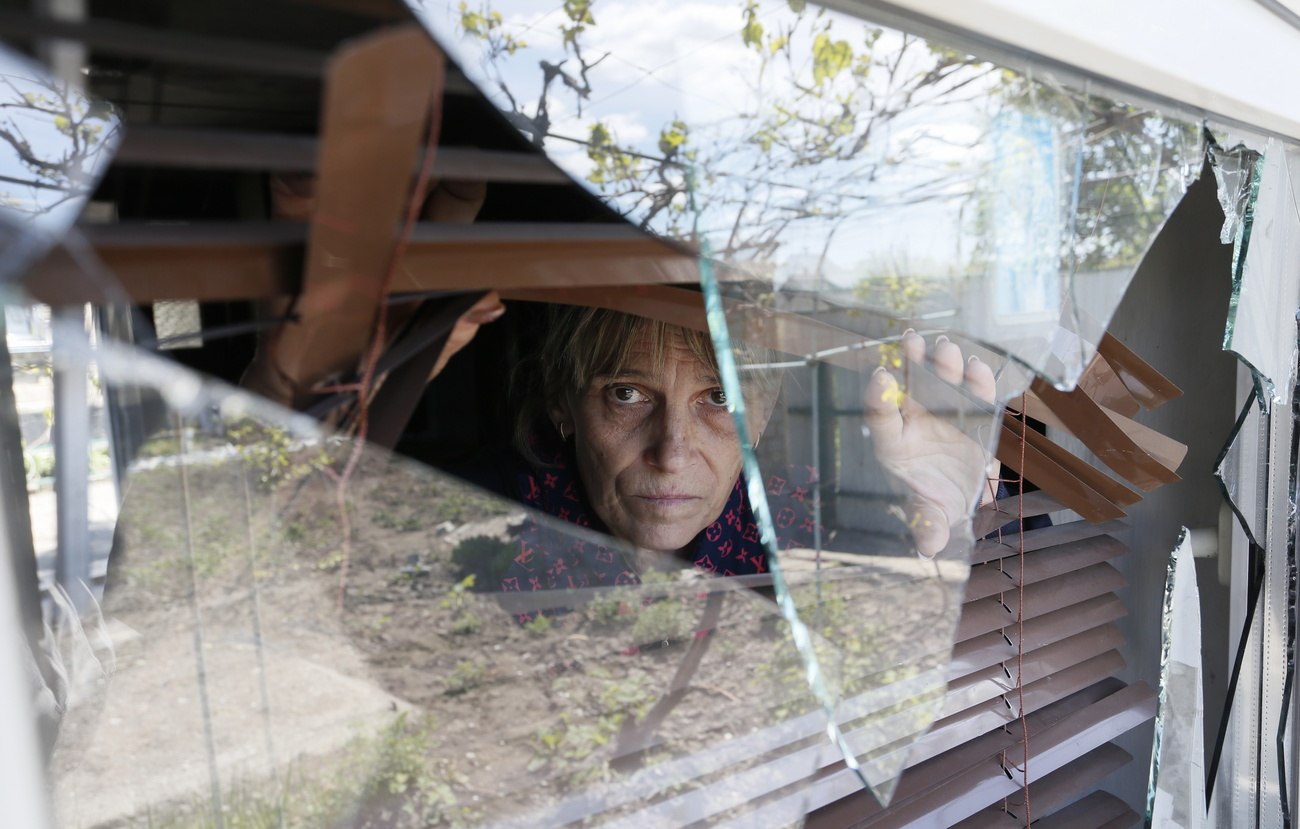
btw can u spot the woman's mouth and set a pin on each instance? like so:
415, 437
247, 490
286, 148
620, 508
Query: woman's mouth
668, 500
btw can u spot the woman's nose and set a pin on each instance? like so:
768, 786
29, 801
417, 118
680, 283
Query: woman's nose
672, 443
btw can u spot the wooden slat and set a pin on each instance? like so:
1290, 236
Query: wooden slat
1099, 810
1051, 749
1005, 510
850, 806
1050, 792
679, 306
111, 37
991, 614
257, 261
1088, 422
1005, 575
148, 145
375, 115
1001, 645
1148, 386
987, 683
1043, 537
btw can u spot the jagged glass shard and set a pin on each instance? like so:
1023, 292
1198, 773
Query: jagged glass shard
55, 143
829, 151
1236, 469
1176, 787
845, 182
1266, 266
400, 643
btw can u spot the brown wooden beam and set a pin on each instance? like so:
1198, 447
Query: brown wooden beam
261, 260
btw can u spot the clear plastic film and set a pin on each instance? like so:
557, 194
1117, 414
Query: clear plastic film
301, 646
1176, 787
55, 143
845, 184
1266, 289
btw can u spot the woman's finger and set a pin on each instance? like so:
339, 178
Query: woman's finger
913, 345
948, 360
882, 414
980, 380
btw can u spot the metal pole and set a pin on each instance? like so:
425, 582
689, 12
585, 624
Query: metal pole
71, 356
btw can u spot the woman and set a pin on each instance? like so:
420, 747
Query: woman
625, 429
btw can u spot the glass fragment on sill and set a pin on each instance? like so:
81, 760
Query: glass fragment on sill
841, 195
55, 143
1176, 787
1236, 471
1260, 329
277, 655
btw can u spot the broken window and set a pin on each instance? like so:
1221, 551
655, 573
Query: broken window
310, 627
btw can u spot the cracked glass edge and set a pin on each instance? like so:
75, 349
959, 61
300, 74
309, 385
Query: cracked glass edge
1241, 225
1180, 697
445, 31
799, 632
1251, 407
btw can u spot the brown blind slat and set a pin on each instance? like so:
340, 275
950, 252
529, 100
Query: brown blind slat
1050, 792
1005, 575
989, 614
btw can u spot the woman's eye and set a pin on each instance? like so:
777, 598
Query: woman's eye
718, 397
626, 394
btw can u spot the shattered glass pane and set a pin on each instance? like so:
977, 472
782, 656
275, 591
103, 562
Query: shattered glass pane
1266, 266
813, 149
1176, 787
844, 183
55, 142
1234, 470
312, 648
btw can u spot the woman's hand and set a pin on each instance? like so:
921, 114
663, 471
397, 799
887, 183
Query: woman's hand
942, 468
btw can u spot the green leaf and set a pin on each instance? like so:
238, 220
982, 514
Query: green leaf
797, 6
830, 57
752, 33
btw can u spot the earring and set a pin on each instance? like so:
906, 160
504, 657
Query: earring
560, 426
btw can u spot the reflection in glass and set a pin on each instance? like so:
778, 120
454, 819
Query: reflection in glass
55, 142
1176, 787
1266, 274
901, 176
845, 183
292, 646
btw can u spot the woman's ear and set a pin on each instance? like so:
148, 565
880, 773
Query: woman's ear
557, 409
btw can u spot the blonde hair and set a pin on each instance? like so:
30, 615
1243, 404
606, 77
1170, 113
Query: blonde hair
582, 343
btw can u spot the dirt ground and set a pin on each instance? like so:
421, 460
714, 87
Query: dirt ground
302, 681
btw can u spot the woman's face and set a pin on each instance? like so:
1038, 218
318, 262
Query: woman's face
657, 449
